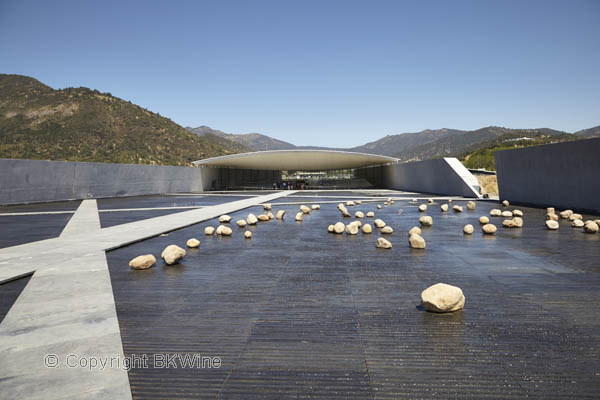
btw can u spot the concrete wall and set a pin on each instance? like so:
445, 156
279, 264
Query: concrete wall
29, 181
563, 175
26, 181
445, 176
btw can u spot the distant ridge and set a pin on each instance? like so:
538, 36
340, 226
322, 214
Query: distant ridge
255, 141
430, 143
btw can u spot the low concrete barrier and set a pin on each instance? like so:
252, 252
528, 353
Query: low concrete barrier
28, 181
562, 175
445, 176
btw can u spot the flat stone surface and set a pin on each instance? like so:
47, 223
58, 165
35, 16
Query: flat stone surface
299, 312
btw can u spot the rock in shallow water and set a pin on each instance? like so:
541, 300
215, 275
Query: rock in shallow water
193, 242
444, 207
366, 228
518, 221
484, 220
172, 254
379, 223
383, 244
566, 214
142, 262
414, 229
251, 219
426, 220
508, 223
247, 234
552, 216
442, 298
468, 229
352, 229
416, 241
339, 227
280, 214
223, 230
574, 216
590, 227
387, 230
489, 229
552, 224
224, 218
209, 230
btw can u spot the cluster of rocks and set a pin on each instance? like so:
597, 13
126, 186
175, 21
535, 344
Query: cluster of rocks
353, 227
515, 222
589, 226
172, 254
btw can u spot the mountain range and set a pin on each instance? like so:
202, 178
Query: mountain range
81, 124
418, 145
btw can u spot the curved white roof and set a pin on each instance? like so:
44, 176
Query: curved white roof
297, 160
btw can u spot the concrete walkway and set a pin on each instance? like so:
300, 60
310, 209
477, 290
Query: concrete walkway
67, 309
84, 220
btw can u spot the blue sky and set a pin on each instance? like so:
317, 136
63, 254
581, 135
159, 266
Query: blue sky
331, 73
